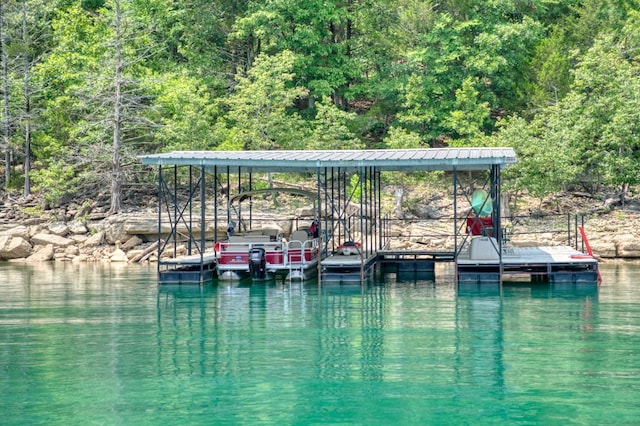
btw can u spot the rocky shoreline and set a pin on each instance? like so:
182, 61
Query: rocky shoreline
85, 234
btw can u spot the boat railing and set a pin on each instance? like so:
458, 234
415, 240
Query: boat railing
299, 252
522, 230
285, 253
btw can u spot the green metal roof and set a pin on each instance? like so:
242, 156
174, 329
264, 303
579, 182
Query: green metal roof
309, 161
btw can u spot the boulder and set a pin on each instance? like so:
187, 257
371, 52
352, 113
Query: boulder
81, 258
16, 231
95, 240
14, 248
78, 228
72, 251
305, 212
604, 249
118, 256
58, 228
79, 239
131, 243
114, 231
629, 247
54, 240
144, 226
42, 254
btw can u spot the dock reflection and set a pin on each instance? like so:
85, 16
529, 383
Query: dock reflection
338, 332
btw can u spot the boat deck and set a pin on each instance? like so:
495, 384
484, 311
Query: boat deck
557, 264
194, 259
554, 263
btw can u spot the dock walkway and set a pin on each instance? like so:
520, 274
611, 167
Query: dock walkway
552, 263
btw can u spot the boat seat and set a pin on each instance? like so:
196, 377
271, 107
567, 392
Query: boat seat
250, 239
299, 235
480, 226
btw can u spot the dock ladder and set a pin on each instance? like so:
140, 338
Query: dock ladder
298, 268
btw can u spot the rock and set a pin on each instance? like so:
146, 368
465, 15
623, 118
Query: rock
72, 250
54, 240
131, 243
42, 254
114, 231
14, 248
604, 249
78, 228
17, 231
97, 216
629, 248
80, 239
119, 256
81, 258
143, 226
305, 212
95, 240
4, 240
58, 228
425, 212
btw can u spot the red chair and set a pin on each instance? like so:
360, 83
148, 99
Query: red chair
480, 226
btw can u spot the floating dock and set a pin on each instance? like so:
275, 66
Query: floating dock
555, 264
194, 269
193, 185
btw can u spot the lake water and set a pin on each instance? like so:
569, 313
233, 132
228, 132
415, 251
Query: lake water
100, 344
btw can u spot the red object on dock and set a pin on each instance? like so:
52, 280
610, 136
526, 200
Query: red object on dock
480, 226
588, 247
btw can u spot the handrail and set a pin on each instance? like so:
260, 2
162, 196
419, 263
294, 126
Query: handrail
307, 246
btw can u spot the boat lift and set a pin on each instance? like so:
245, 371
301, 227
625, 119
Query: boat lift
192, 184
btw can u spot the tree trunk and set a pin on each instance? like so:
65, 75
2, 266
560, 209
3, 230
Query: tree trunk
399, 194
116, 177
27, 104
6, 125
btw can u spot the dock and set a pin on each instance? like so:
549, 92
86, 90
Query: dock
555, 264
347, 205
193, 269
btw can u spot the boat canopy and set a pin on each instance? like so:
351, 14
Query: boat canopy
428, 159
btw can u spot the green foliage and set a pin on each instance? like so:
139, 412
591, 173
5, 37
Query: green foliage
557, 80
184, 110
469, 118
399, 138
331, 129
317, 31
552, 65
92, 5
56, 180
545, 159
260, 111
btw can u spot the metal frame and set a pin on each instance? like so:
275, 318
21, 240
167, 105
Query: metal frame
329, 166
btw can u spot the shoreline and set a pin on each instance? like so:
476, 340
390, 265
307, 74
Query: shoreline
85, 233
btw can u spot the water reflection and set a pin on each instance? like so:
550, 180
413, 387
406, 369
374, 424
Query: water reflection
479, 346
344, 331
401, 347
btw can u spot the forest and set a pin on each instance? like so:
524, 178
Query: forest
88, 85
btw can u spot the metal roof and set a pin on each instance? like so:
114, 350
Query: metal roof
308, 161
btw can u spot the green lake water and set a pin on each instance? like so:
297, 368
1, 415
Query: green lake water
99, 344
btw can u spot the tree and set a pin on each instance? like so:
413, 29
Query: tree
260, 111
97, 107
331, 129
470, 116
6, 122
25, 40
319, 33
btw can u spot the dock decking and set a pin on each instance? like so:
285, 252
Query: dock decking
194, 269
553, 263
